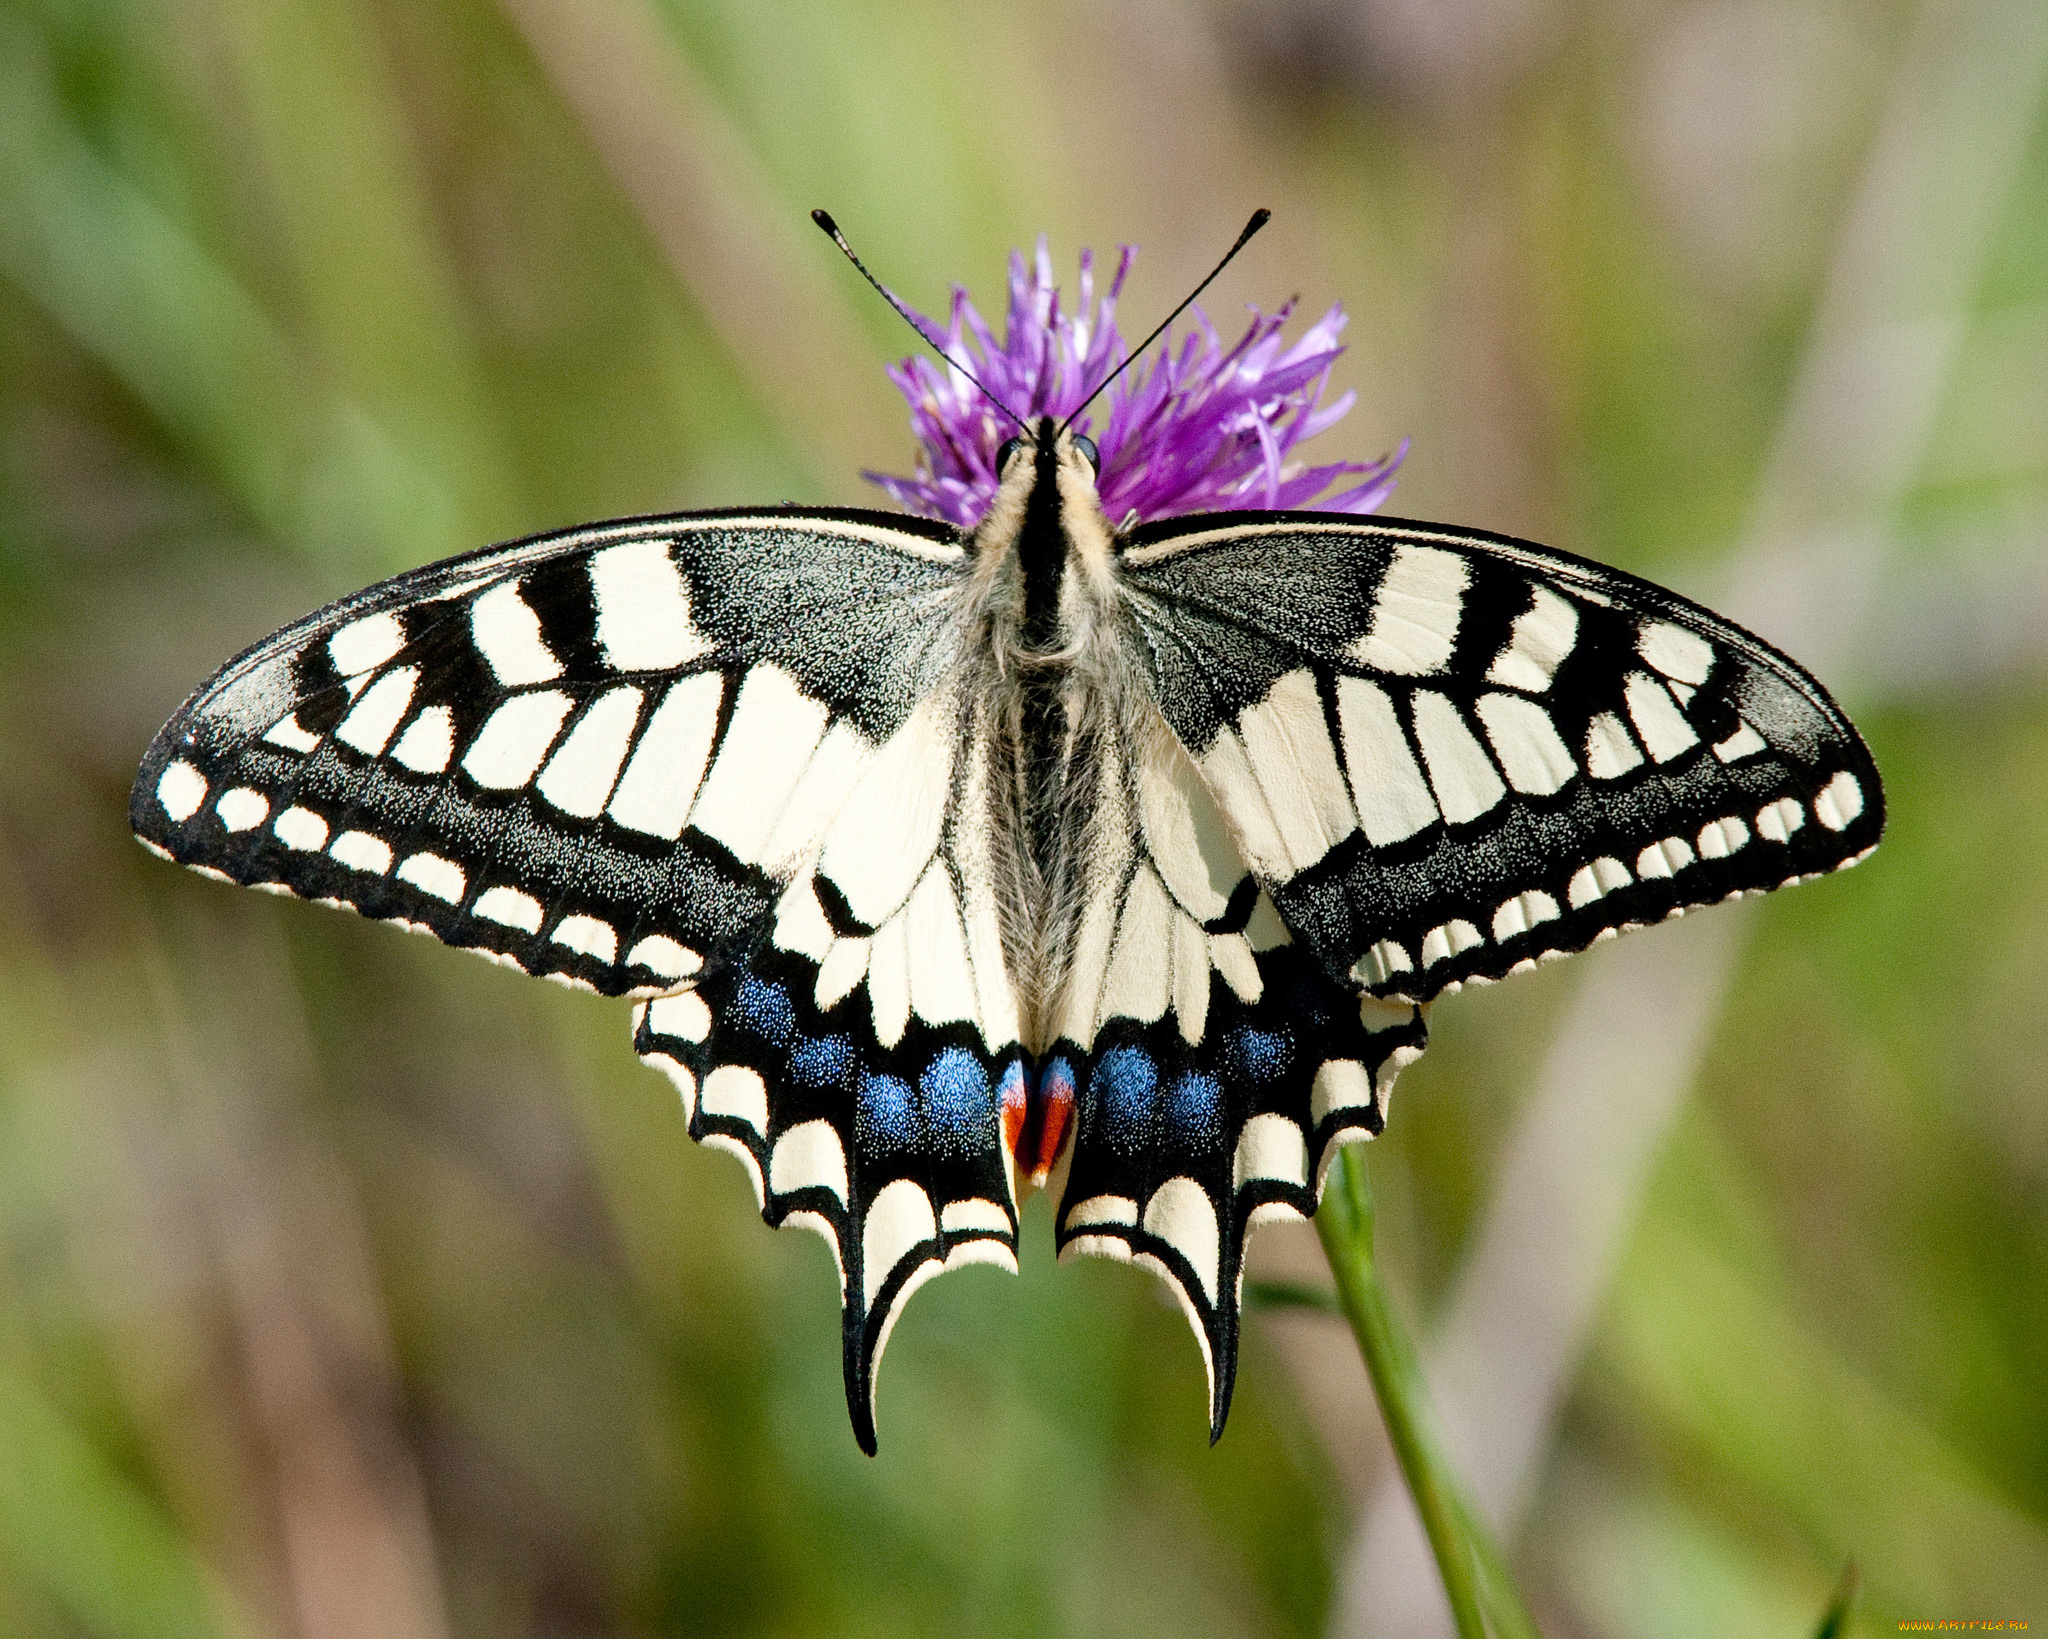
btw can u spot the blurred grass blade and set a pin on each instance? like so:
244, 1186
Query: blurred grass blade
1291, 1294
1471, 1566
96, 1547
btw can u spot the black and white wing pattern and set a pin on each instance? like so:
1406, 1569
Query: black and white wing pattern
715, 761
945, 868
594, 755
863, 1060
1213, 1065
1449, 755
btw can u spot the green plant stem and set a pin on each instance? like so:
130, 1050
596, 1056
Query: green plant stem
1474, 1575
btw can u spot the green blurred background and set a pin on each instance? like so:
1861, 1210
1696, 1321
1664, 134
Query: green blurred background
351, 1287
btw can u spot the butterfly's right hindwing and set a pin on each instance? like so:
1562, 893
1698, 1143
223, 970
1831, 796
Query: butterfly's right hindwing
594, 755
1449, 755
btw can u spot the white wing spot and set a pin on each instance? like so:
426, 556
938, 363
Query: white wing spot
1722, 837
844, 966
660, 783
365, 643
1596, 881
1464, 778
302, 829
1454, 937
181, 788
1675, 652
1526, 744
1340, 1084
513, 740
1102, 1209
774, 729
1523, 912
1288, 743
683, 1015
889, 980
580, 774
1744, 742
808, 1156
1138, 984
360, 851
1664, 730
507, 634
428, 743
643, 608
509, 908
899, 1221
287, 733
587, 936
941, 975
975, 1213
663, 957
243, 810
1415, 613
877, 847
1610, 752
1537, 643
432, 874
378, 711
1181, 1214
1270, 1147
738, 1093
1393, 799
1837, 805
1664, 859
1381, 963
1779, 820
1231, 953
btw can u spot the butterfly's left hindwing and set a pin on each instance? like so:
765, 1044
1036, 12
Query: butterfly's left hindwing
1449, 756
594, 755
861, 1061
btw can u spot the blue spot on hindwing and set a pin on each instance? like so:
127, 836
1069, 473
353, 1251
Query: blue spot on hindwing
1193, 1108
763, 1009
1258, 1055
956, 1097
884, 1117
819, 1062
1124, 1081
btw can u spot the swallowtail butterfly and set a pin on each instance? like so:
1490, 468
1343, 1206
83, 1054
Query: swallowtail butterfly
945, 866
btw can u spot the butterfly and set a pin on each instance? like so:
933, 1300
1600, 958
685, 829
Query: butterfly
945, 866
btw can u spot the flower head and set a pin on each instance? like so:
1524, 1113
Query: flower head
1195, 427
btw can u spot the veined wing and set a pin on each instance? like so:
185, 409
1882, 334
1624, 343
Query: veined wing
595, 755
863, 1061
1213, 1064
1449, 755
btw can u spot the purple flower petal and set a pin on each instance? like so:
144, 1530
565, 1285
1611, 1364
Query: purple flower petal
1195, 427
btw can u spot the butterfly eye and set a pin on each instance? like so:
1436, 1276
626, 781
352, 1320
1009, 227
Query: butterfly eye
1009, 448
1089, 452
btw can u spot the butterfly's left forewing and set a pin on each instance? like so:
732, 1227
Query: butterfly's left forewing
1449, 756
593, 755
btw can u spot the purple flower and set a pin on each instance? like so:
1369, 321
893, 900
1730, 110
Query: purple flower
1193, 427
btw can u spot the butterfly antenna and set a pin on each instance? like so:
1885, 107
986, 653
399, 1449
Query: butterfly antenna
1260, 218
824, 220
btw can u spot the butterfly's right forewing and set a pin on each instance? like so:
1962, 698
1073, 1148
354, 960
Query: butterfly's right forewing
1449, 755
